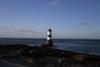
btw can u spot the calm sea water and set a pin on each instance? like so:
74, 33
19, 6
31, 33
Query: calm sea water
79, 45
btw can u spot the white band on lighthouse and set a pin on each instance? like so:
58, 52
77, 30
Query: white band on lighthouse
49, 35
48, 38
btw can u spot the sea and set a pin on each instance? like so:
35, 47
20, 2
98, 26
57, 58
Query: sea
90, 46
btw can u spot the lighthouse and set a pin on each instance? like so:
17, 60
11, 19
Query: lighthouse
49, 35
48, 42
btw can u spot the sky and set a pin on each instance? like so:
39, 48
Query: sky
76, 19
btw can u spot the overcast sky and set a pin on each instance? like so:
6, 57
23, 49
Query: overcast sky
67, 18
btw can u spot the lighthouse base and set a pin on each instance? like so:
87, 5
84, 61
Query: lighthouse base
48, 44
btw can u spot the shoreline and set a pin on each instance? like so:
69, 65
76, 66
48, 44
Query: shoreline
32, 52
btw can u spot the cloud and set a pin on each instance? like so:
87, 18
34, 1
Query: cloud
85, 23
23, 30
4, 27
54, 2
19, 32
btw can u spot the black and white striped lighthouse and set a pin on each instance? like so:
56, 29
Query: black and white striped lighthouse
49, 35
49, 42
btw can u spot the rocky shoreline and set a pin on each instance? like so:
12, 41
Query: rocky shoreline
33, 52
